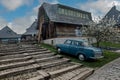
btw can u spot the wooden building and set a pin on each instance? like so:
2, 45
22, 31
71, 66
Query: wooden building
56, 20
114, 14
31, 32
7, 35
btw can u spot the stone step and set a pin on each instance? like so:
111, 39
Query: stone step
33, 48
76, 74
83, 75
22, 76
18, 70
37, 53
59, 66
6, 61
9, 47
19, 49
33, 54
11, 50
64, 70
13, 56
43, 76
55, 73
20, 52
16, 64
46, 59
12, 53
31, 63
43, 55
53, 62
36, 50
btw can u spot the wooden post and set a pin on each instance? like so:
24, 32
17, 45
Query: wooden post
39, 33
40, 29
49, 26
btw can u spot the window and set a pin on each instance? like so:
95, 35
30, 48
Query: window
62, 11
68, 42
59, 10
87, 16
71, 12
74, 13
76, 43
77, 14
80, 15
83, 16
66, 12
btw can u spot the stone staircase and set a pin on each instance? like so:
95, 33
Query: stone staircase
27, 62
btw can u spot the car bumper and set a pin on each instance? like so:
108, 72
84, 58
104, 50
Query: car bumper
97, 57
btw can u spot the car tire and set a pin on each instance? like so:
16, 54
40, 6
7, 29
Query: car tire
58, 50
81, 57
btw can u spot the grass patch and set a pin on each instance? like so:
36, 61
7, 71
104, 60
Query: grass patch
108, 57
51, 48
109, 44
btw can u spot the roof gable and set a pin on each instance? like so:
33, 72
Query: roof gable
52, 12
113, 14
32, 29
6, 32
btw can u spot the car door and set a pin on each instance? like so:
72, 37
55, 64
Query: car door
75, 47
67, 46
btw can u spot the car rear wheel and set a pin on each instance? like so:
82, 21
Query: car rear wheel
58, 50
81, 57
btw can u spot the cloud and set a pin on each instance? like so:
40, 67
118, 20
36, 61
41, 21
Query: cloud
35, 9
98, 7
14, 4
3, 23
20, 24
50, 1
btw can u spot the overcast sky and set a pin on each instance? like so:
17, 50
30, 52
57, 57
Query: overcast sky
20, 14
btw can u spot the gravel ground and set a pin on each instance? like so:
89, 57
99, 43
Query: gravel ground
110, 71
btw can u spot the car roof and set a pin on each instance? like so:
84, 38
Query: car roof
81, 40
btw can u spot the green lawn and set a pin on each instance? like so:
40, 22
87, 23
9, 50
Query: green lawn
108, 56
110, 44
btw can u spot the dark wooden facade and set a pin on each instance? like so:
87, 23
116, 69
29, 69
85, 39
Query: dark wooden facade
52, 23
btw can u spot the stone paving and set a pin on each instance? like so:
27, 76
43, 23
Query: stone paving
110, 71
118, 51
28, 62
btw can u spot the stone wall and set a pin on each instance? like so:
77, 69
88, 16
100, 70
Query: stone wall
55, 41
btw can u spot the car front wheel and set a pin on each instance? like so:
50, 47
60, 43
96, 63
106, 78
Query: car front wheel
81, 57
59, 50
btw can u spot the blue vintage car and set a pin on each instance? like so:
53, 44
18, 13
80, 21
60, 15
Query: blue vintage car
80, 48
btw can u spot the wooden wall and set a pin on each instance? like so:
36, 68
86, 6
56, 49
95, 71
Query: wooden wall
65, 29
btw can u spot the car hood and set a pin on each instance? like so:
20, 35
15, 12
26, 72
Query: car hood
93, 48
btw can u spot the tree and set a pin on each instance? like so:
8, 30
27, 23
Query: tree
103, 30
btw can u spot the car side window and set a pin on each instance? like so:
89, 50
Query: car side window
77, 43
68, 42
74, 43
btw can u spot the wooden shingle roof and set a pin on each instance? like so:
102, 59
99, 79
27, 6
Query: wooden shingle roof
52, 12
6, 32
32, 29
113, 14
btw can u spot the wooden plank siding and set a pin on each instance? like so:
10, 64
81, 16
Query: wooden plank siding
52, 23
65, 29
